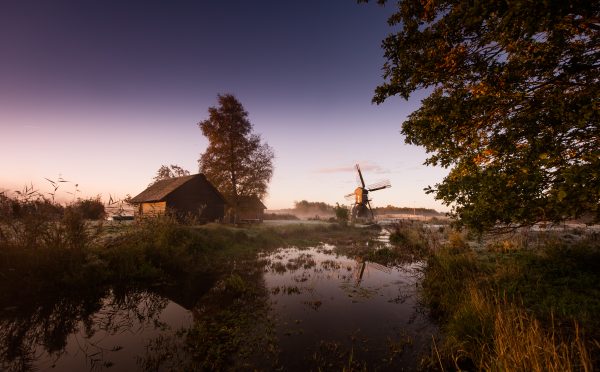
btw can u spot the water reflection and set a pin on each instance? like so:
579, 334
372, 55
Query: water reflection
90, 333
291, 309
332, 310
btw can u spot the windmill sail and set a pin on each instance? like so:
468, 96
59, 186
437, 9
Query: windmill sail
384, 184
362, 181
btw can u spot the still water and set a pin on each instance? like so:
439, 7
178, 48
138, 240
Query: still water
87, 334
330, 306
326, 310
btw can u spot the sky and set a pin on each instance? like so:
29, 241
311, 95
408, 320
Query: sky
102, 93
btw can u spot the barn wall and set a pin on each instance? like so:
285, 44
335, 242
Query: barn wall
248, 213
153, 209
198, 198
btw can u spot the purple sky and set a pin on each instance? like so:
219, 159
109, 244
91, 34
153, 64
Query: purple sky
104, 92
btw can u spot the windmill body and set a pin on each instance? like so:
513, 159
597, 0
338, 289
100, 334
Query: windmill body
361, 209
360, 195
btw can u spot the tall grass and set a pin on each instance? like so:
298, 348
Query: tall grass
515, 309
521, 343
43, 246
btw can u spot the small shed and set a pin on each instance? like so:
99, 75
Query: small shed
251, 209
192, 196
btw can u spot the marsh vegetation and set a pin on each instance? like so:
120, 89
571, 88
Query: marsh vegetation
526, 301
157, 294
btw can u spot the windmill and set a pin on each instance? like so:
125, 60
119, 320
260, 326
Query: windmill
361, 209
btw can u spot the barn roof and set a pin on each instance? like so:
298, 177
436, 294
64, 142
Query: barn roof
159, 190
251, 202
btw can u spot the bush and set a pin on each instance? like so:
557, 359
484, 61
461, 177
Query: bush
91, 209
410, 236
341, 213
12, 209
456, 242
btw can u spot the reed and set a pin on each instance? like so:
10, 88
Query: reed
521, 343
515, 309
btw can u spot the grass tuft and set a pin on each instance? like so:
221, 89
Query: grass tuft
516, 309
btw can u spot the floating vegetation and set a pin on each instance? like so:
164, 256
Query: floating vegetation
358, 292
315, 305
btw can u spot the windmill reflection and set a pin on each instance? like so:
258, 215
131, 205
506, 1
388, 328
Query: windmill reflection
361, 265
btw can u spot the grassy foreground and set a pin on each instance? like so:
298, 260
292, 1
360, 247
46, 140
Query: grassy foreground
514, 306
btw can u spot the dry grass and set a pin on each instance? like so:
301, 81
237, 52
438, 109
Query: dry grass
492, 334
522, 344
510, 308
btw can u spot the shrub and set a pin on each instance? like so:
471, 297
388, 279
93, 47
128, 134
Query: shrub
456, 242
91, 209
341, 213
409, 235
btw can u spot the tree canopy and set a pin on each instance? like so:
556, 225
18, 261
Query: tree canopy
166, 172
513, 105
235, 161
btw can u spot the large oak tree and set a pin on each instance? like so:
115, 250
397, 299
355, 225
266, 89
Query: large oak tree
235, 161
513, 109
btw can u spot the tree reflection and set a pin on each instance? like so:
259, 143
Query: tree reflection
28, 333
231, 330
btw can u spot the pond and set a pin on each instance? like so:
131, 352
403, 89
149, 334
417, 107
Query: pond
323, 310
330, 308
87, 334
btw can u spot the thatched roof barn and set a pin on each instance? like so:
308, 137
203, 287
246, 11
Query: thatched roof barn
188, 196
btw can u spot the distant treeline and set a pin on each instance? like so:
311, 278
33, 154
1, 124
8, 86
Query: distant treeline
390, 209
307, 209
304, 209
304, 206
280, 216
